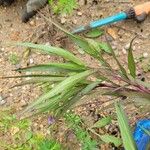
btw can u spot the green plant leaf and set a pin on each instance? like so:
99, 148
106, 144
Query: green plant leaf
102, 122
40, 80
58, 89
78, 96
111, 139
91, 47
126, 134
105, 47
131, 62
94, 33
28, 135
123, 71
53, 50
34, 75
53, 67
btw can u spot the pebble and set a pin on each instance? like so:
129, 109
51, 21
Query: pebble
127, 46
48, 56
23, 103
145, 54
63, 20
48, 44
79, 13
74, 21
2, 101
31, 61
14, 130
124, 51
32, 23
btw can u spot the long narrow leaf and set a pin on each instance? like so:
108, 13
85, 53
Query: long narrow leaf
131, 62
102, 122
53, 67
53, 50
40, 80
79, 95
111, 139
33, 76
126, 134
64, 85
123, 71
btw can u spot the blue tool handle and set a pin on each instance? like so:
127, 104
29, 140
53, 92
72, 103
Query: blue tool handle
98, 23
112, 19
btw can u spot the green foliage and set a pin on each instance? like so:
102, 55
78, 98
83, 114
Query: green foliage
49, 145
74, 122
94, 33
81, 131
102, 122
13, 58
63, 6
111, 139
21, 136
131, 62
126, 134
71, 78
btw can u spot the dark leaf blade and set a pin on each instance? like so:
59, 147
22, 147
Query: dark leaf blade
123, 71
126, 134
131, 62
33, 76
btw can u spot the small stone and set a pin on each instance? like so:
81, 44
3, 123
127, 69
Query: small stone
74, 21
48, 44
23, 103
2, 49
35, 124
124, 51
48, 56
63, 20
41, 126
31, 61
145, 54
79, 13
37, 18
2, 102
114, 47
127, 46
32, 23
14, 130
133, 47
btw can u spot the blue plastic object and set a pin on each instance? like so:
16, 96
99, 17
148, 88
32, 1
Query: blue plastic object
141, 138
98, 23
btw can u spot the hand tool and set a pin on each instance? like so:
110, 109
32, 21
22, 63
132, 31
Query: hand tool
139, 13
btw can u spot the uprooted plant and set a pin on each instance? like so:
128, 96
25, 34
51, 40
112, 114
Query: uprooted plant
70, 81
73, 79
